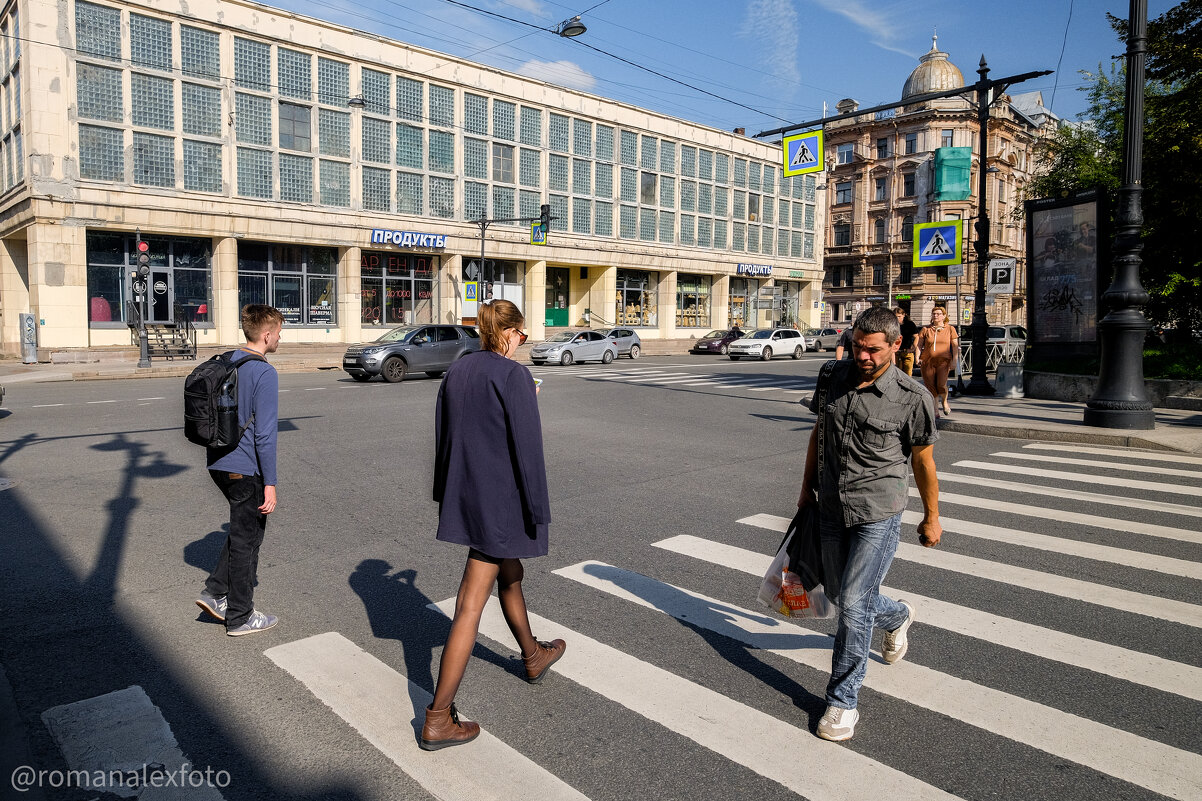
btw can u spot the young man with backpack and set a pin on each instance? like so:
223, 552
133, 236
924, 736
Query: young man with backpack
242, 465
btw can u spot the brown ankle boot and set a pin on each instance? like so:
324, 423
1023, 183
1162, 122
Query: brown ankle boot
548, 654
442, 729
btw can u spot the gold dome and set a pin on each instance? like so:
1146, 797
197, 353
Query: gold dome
934, 73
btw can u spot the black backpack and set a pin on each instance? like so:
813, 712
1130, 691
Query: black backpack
211, 402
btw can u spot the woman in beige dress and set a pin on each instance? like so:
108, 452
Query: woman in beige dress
938, 347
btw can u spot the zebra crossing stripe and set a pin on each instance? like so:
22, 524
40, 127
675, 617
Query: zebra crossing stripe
1099, 657
1064, 475
1044, 513
784, 753
387, 709
1112, 465
1086, 550
1118, 453
1155, 766
1137, 603
1189, 510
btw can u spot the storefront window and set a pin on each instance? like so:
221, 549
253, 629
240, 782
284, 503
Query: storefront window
296, 279
742, 302
501, 280
692, 301
397, 288
638, 298
790, 294
179, 284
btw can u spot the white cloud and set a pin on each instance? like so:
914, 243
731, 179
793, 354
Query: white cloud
774, 23
532, 7
560, 73
884, 26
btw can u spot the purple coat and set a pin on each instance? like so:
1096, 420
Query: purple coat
490, 480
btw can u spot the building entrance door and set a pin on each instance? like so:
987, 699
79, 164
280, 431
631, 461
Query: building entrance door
557, 297
162, 291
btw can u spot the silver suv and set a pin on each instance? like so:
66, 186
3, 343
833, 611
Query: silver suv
410, 348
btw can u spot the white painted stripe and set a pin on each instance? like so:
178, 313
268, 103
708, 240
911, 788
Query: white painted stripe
142, 399
626, 376
1099, 657
770, 747
315, 389
1079, 518
46, 405
1085, 550
1112, 465
1191, 510
91, 403
1118, 453
285, 390
1146, 763
1087, 592
387, 710
1064, 475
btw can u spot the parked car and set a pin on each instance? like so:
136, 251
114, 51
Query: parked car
717, 341
764, 343
575, 346
410, 348
627, 340
823, 338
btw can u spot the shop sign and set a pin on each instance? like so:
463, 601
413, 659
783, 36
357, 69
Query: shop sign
753, 269
796, 274
407, 239
901, 297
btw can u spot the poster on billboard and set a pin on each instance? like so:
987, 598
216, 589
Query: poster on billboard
1066, 244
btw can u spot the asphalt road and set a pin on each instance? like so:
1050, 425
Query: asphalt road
1058, 655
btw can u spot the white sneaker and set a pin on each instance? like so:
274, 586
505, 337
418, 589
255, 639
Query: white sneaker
255, 623
893, 649
838, 724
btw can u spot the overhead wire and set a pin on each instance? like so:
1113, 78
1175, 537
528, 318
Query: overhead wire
1063, 44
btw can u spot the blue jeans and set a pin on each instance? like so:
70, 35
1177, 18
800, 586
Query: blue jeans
855, 561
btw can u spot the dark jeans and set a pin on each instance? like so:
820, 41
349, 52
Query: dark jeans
237, 567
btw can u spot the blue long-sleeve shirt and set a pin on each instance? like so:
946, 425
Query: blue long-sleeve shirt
258, 393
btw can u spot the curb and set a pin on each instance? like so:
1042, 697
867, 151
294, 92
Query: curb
1098, 437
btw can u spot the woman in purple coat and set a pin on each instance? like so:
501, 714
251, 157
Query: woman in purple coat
491, 486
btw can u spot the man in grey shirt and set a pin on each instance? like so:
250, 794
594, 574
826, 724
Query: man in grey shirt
875, 419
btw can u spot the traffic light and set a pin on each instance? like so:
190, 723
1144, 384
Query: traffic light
143, 258
545, 214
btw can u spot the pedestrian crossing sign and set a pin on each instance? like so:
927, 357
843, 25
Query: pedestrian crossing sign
802, 153
939, 244
469, 290
538, 234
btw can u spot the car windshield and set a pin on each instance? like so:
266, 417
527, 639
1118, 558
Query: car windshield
396, 334
812, 332
563, 336
759, 333
714, 335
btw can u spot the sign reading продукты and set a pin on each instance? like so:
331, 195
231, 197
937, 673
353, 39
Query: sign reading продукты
938, 244
802, 153
407, 239
753, 269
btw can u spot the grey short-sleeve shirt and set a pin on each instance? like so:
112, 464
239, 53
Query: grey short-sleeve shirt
870, 434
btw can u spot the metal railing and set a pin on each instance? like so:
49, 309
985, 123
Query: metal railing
995, 353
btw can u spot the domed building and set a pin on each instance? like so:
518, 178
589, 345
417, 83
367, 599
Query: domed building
918, 163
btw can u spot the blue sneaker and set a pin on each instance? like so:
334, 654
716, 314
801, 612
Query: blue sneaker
213, 604
255, 623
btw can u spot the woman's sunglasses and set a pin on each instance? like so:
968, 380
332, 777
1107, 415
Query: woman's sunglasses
523, 336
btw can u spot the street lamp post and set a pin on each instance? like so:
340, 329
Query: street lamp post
979, 384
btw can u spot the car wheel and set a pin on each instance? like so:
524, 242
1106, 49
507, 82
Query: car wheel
797, 352
766, 355
607, 357
360, 377
725, 349
538, 362
394, 369
634, 351
734, 358
567, 358
435, 373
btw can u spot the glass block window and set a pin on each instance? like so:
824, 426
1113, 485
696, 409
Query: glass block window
740, 205
753, 239
97, 31
254, 173
667, 157
630, 185
741, 173
377, 189
334, 133
252, 120
475, 200
99, 95
603, 182
688, 225
629, 148
688, 165
335, 187
808, 252
768, 184
720, 234
502, 163
647, 227
753, 175
705, 232
811, 185
688, 196
152, 101
799, 187
786, 186
409, 147
252, 64
557, 173
475, 114
442, 154
557, 133
377, 141
442, 197
150, 42
738, 237
766, 244
784, 213
667, 192
809, 226
796, 245
603, 218
530, 201
721, 168
767, 205
409, 193
667, 227
721, 201
605, 143
582, 177
199, 52
798, 215
529, 168
502, 202
582, 138
333, 82
582, 216
154, 160
295, 71
201, 109
649, 151
377, 88
504, 120
705, 199
475, 158
782, 244
442, 106
409, 100
296, 178
202, 166
628, 222
559, 211
705, 165
532, 126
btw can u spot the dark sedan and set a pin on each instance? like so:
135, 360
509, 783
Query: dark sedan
717, 341
426, 348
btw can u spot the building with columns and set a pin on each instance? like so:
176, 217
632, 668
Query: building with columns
266, 157
919, 163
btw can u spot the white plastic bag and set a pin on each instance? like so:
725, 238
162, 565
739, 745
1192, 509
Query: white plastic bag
783, 592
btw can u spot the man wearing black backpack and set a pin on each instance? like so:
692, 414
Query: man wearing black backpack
245, 474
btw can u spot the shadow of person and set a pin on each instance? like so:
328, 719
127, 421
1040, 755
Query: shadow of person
203, 553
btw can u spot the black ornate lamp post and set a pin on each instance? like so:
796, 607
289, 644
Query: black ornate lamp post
979, 384
1121, 399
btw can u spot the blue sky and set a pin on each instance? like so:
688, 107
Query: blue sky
780, 59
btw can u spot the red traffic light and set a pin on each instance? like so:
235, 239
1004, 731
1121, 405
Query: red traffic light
143, 247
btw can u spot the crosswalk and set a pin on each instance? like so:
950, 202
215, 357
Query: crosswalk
670, 376
1115, 567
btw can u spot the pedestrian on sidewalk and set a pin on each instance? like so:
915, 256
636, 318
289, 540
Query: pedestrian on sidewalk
937, 346
875, 420
246, 476
490, 482
905, 355
843, 344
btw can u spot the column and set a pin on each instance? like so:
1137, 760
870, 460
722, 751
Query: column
450, 290
350, 285
667, 306
58, 284
14, 293
603, 296
720, 302
536, 300
227, 313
